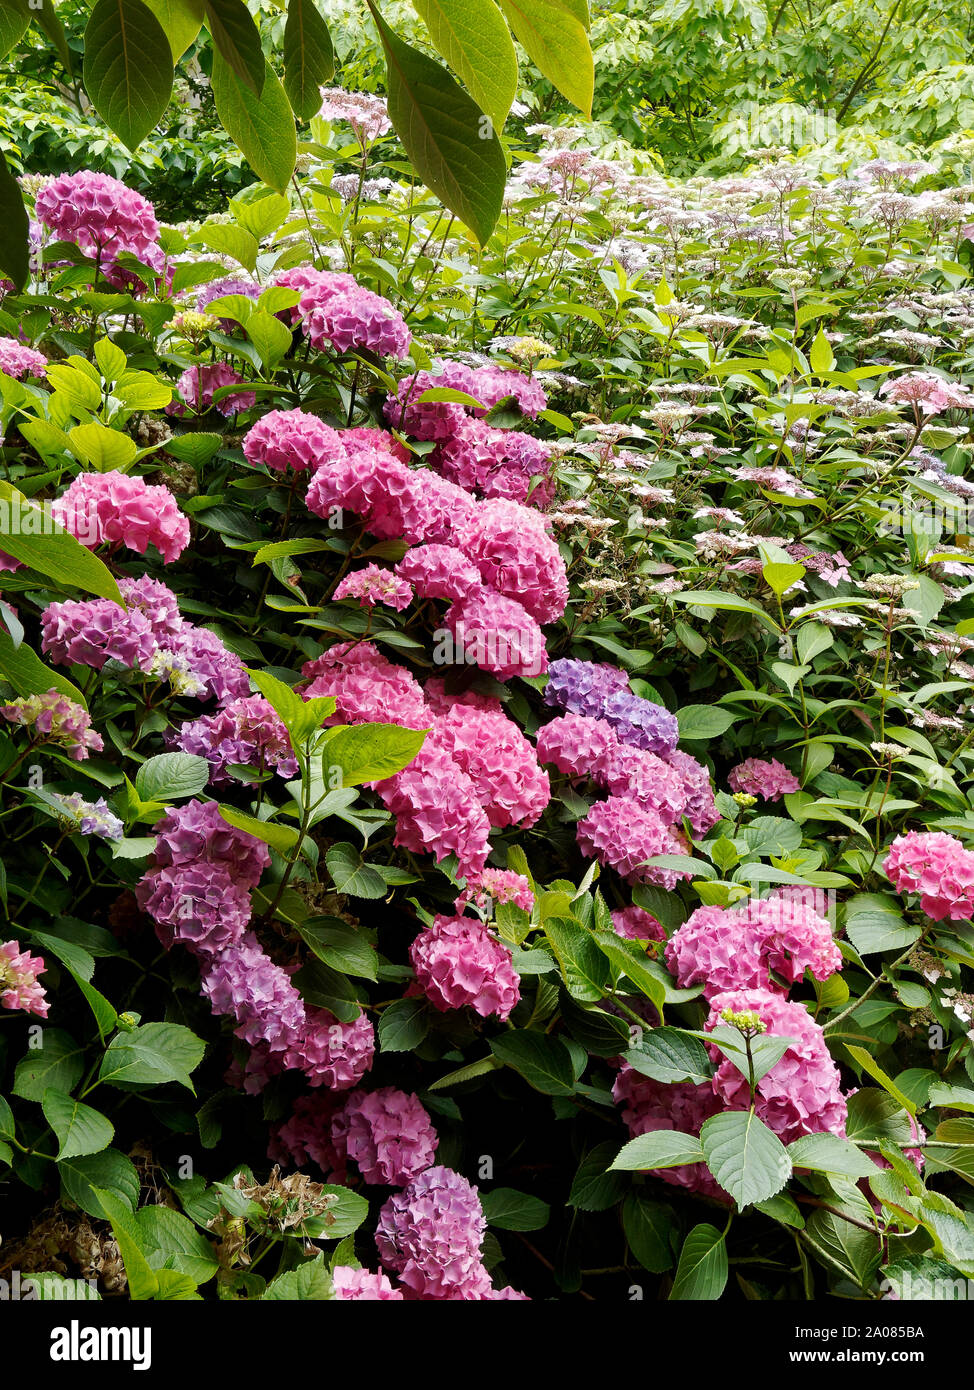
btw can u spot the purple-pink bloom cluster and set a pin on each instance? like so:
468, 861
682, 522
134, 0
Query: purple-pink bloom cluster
762, 777
54, 718
459, 961
18, 361
938, 868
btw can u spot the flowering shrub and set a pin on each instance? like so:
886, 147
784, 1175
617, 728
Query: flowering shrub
489, 813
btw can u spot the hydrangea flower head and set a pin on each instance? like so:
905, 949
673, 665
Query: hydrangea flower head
117, 508
373, 584
459, 962
55, 718
291, 439
430, 1234
19, 361
937, 867
19, 987
763, 777
387, 1134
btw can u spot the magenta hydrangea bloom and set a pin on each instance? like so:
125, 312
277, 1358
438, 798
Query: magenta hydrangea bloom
348, 318
19, 986
302, 278
199, 905
117, 508
19, 361
719, 949
331, 1053
621, 834
577, 745
55, 719
440, 702
157, 601
762, 777
459, 962
794, 937
582, 687
366, 687
387, 1134
439, 571
510, 784
219, 671
196, 831
649, 1105
430, 1235
305, 1137
362, 1286
197, 386
89, 632
938, 868
394, 501
494, 886
244, 732
699, 805
437, 810
636, 924
629, 771
99, 214
497, 634
291, 439
510, 545
801, 1094
373, 584
496, 463
244, 982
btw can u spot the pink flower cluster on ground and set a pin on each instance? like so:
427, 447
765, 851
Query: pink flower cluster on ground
762, 777
459, 961
117, 508
53, 718
938, 868
19, 986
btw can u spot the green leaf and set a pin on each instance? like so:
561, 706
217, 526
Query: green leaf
746, 1158
661, 1148
403, 1025
649, 1228
281, 838
821, 358
27, 673
31, 536
181, 21
369, 752
151, 1055
554, 37
79, 1129
869, 1064
451, 143
57, 1064
101, 448
510, 1210
702, 1272
14, 19
780, 577
873, 1115
128, 68
142, 1281
269, 336
595, 1187
262, 127
544, 1062
309, 59
704, 721
236, 39
874, 922
170, 1240
667, 1054
473, 38
714, 598
345, 1213
308, 1283
14, 223
169, 776
827, 1153
108, 1169
351, 874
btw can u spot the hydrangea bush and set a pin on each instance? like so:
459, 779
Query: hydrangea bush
485, 735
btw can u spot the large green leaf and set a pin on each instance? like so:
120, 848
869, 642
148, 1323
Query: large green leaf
309, 59
554, 37
151, 1055
827, 1153
27, 673
670, 1055
109, 1168
453, 146
649, 1227
79, 1129
702, 1272
543, 1061
369, 752
31, 536
746, 1158
510, 1210
169, 776
181, 21
14, 223
661, 1148
236, 40
473, 38
262, 127
56, 1065
128, 68
14, 19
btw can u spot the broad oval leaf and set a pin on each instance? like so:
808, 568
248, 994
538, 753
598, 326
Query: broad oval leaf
554, 37
262, 127
473, 38
128, 68
79, 1129
746, 1158
309, 59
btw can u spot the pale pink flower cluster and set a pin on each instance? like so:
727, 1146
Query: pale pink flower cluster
291, 439
365, 113
53, 718
458, 961
622, 834
102, 217
439, 571
928, 393
938, 868
762, 777
496, 887
116, 508
362, 1286
19, 361
19, 986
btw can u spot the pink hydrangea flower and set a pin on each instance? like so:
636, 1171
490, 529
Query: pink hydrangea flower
19, 361
219, 671
762, 777
291, 439
440, 702
387, 1134
510, 545
331, 1053
89, 632
430, 1235
621, 834
365, 113
699, 805
55, 719
305, 1136
927, 393
366, 686
196, 831
199, 905
437, 810
302, 278
496, 463
497, 634
362, 1286
244, 982
245, 732
372, 584
637, 773
198, 385
495, 886
938, 868
801, 1094
157, 601
636, 924
577, 745
117, 508
459, 962
99, 214
510, 785
19, 987
439, 571
347, 319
